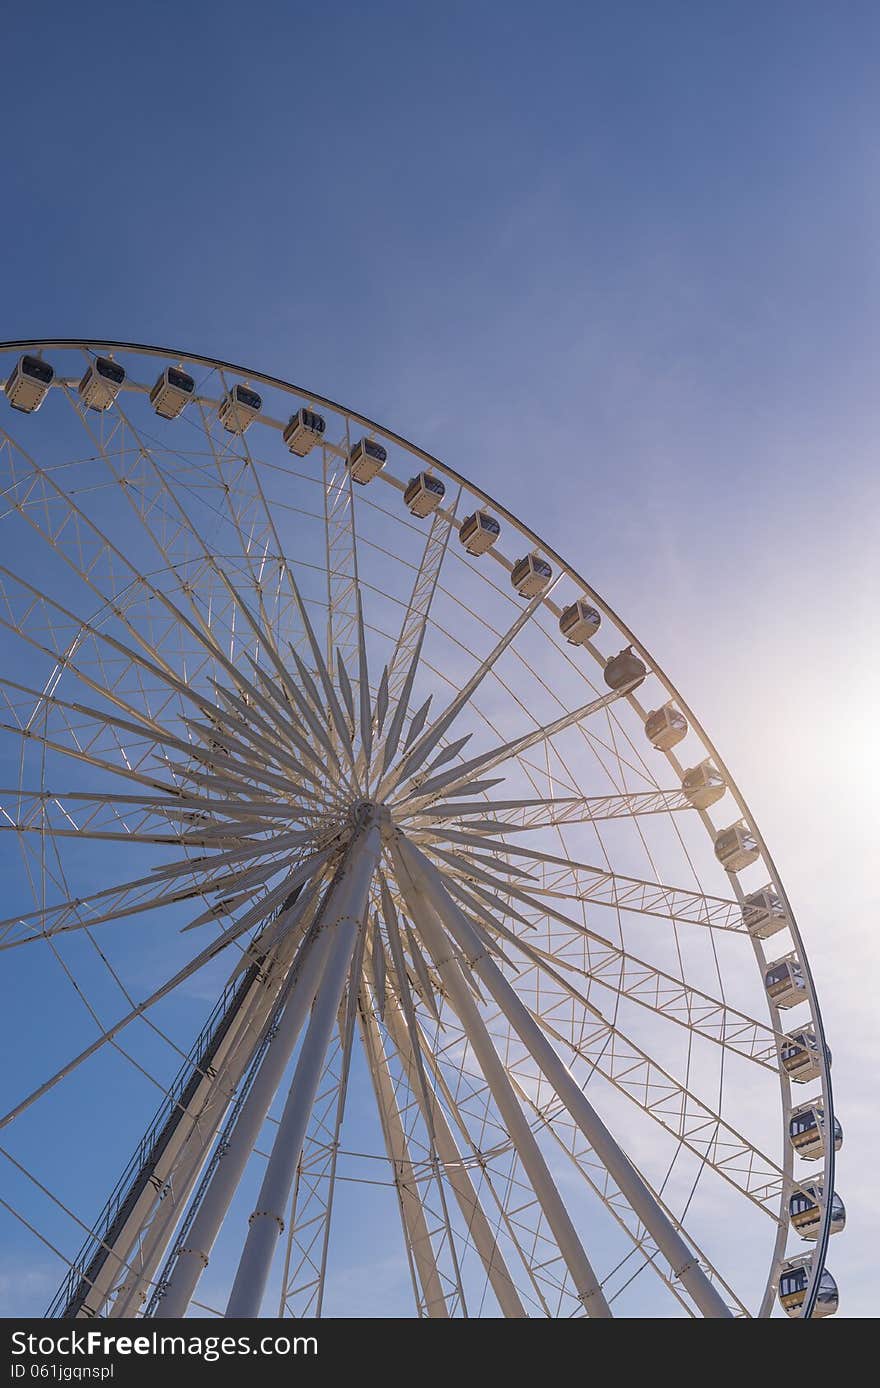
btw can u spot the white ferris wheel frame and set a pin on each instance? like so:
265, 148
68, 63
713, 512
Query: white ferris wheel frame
347, 901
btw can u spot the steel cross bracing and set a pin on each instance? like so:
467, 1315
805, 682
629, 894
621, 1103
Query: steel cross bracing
309, 1219
405, 1034
422, 1199
341, 550
549, 813
187, 695
418, 608
626, 975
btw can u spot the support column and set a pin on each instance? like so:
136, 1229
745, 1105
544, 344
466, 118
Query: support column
344, 912
193, 1258
412, 884
682, 1260
412, 1214
478, 1226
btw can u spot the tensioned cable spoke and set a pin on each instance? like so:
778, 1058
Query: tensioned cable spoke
203, 957
103, 548
421, 598
511, 1194
425, 744
626, 975
459, 776
490, 1063
427, 1285
569, 1137
632, 1071
608, 1051
311, 1213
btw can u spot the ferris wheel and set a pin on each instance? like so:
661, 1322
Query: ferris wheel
316, 754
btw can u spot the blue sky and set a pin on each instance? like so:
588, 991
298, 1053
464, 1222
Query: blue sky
630, 249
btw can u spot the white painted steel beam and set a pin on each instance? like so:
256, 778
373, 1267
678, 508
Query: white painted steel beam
344, 914
682, 1260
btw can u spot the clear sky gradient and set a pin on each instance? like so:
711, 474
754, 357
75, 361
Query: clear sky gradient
617, 263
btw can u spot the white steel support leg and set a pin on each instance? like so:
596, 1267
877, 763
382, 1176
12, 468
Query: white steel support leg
492, 1066
193, 1259
344, 914
478, 1226
673, 1247
412, 1213
198, 1139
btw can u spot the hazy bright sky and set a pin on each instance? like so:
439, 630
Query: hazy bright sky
618, 263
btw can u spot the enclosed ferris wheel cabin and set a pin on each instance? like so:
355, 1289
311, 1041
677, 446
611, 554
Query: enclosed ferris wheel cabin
624, 669
794, 1281
764, 913
531, 575
806, 1207
303, 430
800, 1055
423, 494
806, 1130
366, 460
736, 847
785, 983
101, 383
703, 785
239, 408
479, 531
172, 392
579, 622
29, 383
665, 727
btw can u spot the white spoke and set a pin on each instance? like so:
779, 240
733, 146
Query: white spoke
460, 776
424, 745
551, 813
564, 880
626, 975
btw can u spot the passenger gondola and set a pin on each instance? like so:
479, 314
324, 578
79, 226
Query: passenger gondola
172, 392
624, 669
239, 408
530, 575
479, 532
806, 1130
785, 983
764, 914
101, 383
736, 847
303, 430
665, 727
805, 1210
799, 1055
366, 460
423, 494
703, 785
579, 622
794, 1280
29, 383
